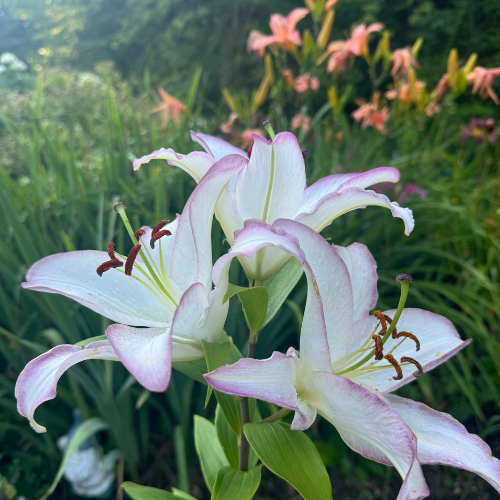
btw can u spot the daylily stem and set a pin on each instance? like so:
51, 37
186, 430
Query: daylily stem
405, 285
245, 419
276, 416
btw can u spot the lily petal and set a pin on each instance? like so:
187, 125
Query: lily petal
327, 185
196, 164
38, 381
145, 352
334, 205
445, 441
438, 338
269, 379
370, 426
271, 186
215, 147
192, 252
114, 295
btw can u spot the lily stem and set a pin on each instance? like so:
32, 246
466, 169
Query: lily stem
275, 416
245, 419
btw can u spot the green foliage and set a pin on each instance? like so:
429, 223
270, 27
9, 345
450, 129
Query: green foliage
292, 456
138, 492
234, 484
215, 355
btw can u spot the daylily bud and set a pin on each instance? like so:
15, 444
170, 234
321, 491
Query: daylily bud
412, 83
469, 65
308, 43
268, 61
333, 98
261, 94
229, 99
326, 29
330, 4
416, 47
309, 4
452, 67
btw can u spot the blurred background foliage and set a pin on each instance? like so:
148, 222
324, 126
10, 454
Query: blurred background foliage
74, 119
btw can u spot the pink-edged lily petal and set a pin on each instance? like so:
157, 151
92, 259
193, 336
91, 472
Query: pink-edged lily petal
196, 164
334, 205
215, 147
363, 274
37, 383
370, 426
114, 295
438, 338
270, 380
327, 185
145, 352
192, 252
271, 186
283, 235
445, 441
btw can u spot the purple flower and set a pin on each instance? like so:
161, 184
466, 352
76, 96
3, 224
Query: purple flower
480, 130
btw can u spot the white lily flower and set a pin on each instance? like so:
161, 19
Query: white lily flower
273, 186
337, 374
167, 289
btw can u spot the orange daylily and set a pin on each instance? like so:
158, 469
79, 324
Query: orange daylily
370, 114
482, 79
401, 60
284, 34
169, 106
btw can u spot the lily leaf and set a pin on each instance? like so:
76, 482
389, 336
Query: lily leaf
279, 287
292, 456
86, 342
254, 301
215, 355
232, 484
232, 290
209, 450
138, 492
227, 438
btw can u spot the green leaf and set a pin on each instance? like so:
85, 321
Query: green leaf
227, 438
232, 484
138, 492
292, 456
232, 290
83, 432
193, 369
216, 355
279, 287
254, 301
209, 450
86, 342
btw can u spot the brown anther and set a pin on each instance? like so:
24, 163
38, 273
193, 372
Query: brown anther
129, 265
379, 347
304, 153
111, 250
383, 323
159, 226
249, 152
110, 264
157, 236
139, 233
396, 335
394, 363
406, 359
389, 320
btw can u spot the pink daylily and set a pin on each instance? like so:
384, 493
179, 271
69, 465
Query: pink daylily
169, 292
336, 374
402, 60
285, 35
299, 121
273, 186
305, 82
169, 106
341, 51
370, 115
482, 80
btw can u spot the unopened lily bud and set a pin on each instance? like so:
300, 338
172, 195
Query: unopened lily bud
452, 67
308, 43
384, 44
229, 99
469, 65
416, 47
333, 98
268, 61
412, 83
261, 94
309, 4
330, 4
326, 29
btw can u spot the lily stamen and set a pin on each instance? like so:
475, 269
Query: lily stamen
391, 359
379, 347
159, 226
110, 264
409, 335
139, 233
157, 236
129, 265
406, 359
111, 251
383, 323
